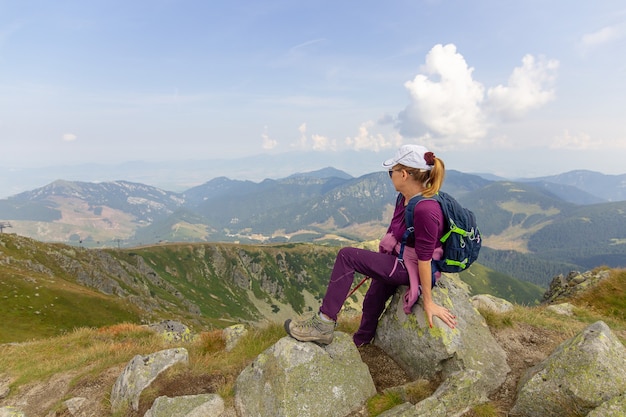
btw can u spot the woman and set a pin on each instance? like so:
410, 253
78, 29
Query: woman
413, 170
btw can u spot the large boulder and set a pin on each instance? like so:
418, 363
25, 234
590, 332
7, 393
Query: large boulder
615, 407
583, 373
140, 372
456, 395
293, 378
468, 354
187, 406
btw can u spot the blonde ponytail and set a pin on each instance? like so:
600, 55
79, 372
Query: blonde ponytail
432, 180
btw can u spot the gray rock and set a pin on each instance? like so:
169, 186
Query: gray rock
615, 407
465, 353
233, 334
187, 406
294, 378
563, 288
491, 303
172, 331
74, 405
580, 375
139, 374
11, 412
455, 396
564, 309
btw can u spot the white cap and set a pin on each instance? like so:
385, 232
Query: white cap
410, 156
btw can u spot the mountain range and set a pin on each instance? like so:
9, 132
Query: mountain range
533, 229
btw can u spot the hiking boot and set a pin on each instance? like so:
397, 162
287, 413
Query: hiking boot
311, 330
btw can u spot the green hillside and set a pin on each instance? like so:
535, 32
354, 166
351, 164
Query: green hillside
483, 280
39, 299
49, 289
526, 267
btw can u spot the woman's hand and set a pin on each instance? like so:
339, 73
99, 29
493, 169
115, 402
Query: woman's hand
430, 307
433, 309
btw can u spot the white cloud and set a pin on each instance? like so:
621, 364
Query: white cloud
526, 88
317, 142
387, 119
302, 142
322, 143
268, 143
581, 141
367, 140
69, 137
603, 36
448, 107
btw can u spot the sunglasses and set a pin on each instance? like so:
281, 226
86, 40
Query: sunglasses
391, 171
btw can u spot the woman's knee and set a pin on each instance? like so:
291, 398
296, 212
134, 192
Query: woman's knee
347, 256
347, 251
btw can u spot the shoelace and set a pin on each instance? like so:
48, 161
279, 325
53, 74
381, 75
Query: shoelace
316, 322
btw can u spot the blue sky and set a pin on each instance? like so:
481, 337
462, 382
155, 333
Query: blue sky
522, 88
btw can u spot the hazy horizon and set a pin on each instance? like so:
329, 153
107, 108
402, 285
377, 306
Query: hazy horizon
178, 176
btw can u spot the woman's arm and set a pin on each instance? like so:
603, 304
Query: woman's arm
430, 307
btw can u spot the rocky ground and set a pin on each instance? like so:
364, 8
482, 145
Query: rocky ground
525, 346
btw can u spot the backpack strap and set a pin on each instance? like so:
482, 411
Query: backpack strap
408, 221
409, 211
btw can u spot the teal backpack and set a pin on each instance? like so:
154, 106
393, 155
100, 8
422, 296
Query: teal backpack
461, 240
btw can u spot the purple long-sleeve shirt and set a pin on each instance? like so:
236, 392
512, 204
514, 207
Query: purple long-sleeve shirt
428, 222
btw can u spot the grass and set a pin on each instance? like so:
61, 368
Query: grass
412, 392
84, 350
559, 324
88, 352
607, 298
51, 307
380, 403
485, 410
605, 302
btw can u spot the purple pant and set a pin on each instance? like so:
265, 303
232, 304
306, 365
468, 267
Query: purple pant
375, 265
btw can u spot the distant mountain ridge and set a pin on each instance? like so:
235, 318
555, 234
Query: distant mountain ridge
542, 219
143, 201
602, 186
